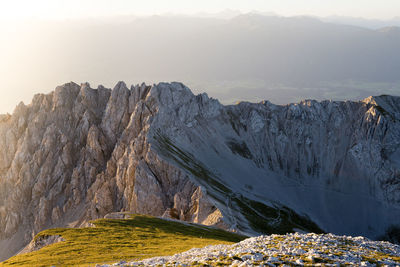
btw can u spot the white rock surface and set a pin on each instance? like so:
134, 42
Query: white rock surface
278, 250
41, 242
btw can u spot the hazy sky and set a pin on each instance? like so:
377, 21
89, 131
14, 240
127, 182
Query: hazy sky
29, 58
49, 9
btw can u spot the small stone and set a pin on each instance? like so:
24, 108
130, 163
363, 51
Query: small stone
299, 262
310, 258
236, 263
258, 257
245, 264
273, 259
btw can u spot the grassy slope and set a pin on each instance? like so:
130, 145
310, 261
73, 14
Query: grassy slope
121, 239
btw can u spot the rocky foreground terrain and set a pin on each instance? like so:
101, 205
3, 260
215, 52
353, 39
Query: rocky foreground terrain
80, 153
285, 250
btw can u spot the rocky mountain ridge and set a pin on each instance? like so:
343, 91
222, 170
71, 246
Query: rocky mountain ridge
80, 153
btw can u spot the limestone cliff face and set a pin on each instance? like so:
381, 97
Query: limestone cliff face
80, 153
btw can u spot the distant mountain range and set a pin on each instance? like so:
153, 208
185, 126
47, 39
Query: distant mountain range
362, 22
249, 56
369, 23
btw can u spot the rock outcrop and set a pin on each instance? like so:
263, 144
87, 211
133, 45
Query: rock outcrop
41, 242
80, 153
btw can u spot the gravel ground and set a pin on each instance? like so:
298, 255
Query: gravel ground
285, 250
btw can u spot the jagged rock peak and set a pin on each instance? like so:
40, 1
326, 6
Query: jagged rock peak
79, 153
386, 104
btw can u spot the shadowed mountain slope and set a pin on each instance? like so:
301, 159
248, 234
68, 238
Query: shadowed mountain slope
80, 153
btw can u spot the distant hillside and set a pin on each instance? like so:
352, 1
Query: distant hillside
251, 57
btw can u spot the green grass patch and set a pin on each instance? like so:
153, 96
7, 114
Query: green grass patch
112, 240
273, 220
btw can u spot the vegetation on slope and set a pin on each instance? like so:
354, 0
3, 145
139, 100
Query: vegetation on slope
112, 240
274, 219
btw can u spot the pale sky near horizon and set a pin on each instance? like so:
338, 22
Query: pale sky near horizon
23, 73
69, 9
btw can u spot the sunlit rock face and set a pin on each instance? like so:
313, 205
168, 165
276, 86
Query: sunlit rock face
80, 153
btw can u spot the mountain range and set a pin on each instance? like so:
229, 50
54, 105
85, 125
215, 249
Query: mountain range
79, 153
246, 57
